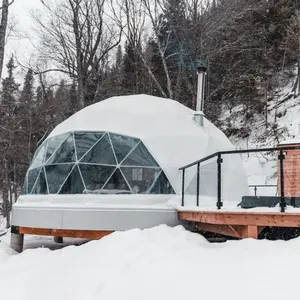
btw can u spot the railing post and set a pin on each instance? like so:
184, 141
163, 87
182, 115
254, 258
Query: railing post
198, 183
183, 175
281, 157
219, 162
255, 191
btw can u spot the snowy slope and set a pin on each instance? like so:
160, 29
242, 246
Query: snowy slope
157, 264
283, 125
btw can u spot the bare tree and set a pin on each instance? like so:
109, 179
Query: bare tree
77, 36
3, 29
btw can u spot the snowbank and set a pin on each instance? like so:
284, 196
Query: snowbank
156, 264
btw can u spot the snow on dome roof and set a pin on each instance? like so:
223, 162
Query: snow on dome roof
168, 130
136, 115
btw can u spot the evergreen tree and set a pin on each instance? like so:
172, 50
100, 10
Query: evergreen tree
9, 87
133, 69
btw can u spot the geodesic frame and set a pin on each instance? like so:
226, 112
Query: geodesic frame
83, 162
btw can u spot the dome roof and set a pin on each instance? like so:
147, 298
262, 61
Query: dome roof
166, 127
142, 116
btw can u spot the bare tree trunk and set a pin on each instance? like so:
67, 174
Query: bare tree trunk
16, 184
3, 27
5, 192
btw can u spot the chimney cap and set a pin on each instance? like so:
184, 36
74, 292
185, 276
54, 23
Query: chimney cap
201, 69
201, 65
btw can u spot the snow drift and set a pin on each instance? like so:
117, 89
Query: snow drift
160, 263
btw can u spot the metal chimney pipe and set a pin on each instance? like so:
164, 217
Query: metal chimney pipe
199, 115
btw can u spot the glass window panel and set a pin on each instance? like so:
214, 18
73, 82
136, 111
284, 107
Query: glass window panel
39, 157
54, 143
101, 153
41, 185
122, 145
84, 141
56, 175
94, 176
73, 184
162, 185
140, 156
116, 184
65, 153
146, 177
32, 176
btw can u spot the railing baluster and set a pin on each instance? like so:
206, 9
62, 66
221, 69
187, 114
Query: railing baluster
198, 183
182, 199
281, 157
219, 162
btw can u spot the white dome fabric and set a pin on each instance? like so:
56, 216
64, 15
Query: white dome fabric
167, 128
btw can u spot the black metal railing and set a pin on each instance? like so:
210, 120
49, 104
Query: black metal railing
219, 155
256, 186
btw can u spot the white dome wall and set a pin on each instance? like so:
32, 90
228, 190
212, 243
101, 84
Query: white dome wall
168, 130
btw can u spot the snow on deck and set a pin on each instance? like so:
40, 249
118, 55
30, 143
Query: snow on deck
160, 263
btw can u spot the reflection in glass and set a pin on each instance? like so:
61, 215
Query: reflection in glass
65, 153
95, 176
140, 179
122, 145
56, 175
54, 143
32, 176
74, 184
101, 153
84, 141
162, 185
38, 159
40, 185
140, 156
116, 184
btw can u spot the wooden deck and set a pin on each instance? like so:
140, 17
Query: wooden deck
239, 224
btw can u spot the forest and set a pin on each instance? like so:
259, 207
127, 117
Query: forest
89, 50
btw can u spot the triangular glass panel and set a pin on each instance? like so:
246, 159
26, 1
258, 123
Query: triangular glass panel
140, 179
95, 176
56, 176
54, 143
39, 157
40, 186
32, 176
74, 184
84, 141
101, 153
122, 145
162, 186
116, 184
140, 157
65, 153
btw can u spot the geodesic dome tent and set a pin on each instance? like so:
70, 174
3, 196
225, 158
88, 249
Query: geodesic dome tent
133, 145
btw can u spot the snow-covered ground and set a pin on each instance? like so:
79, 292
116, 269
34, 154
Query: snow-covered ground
160, 263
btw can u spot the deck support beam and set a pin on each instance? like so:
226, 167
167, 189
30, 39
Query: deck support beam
60, 233
237, 231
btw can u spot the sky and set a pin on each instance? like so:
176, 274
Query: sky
21, 46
